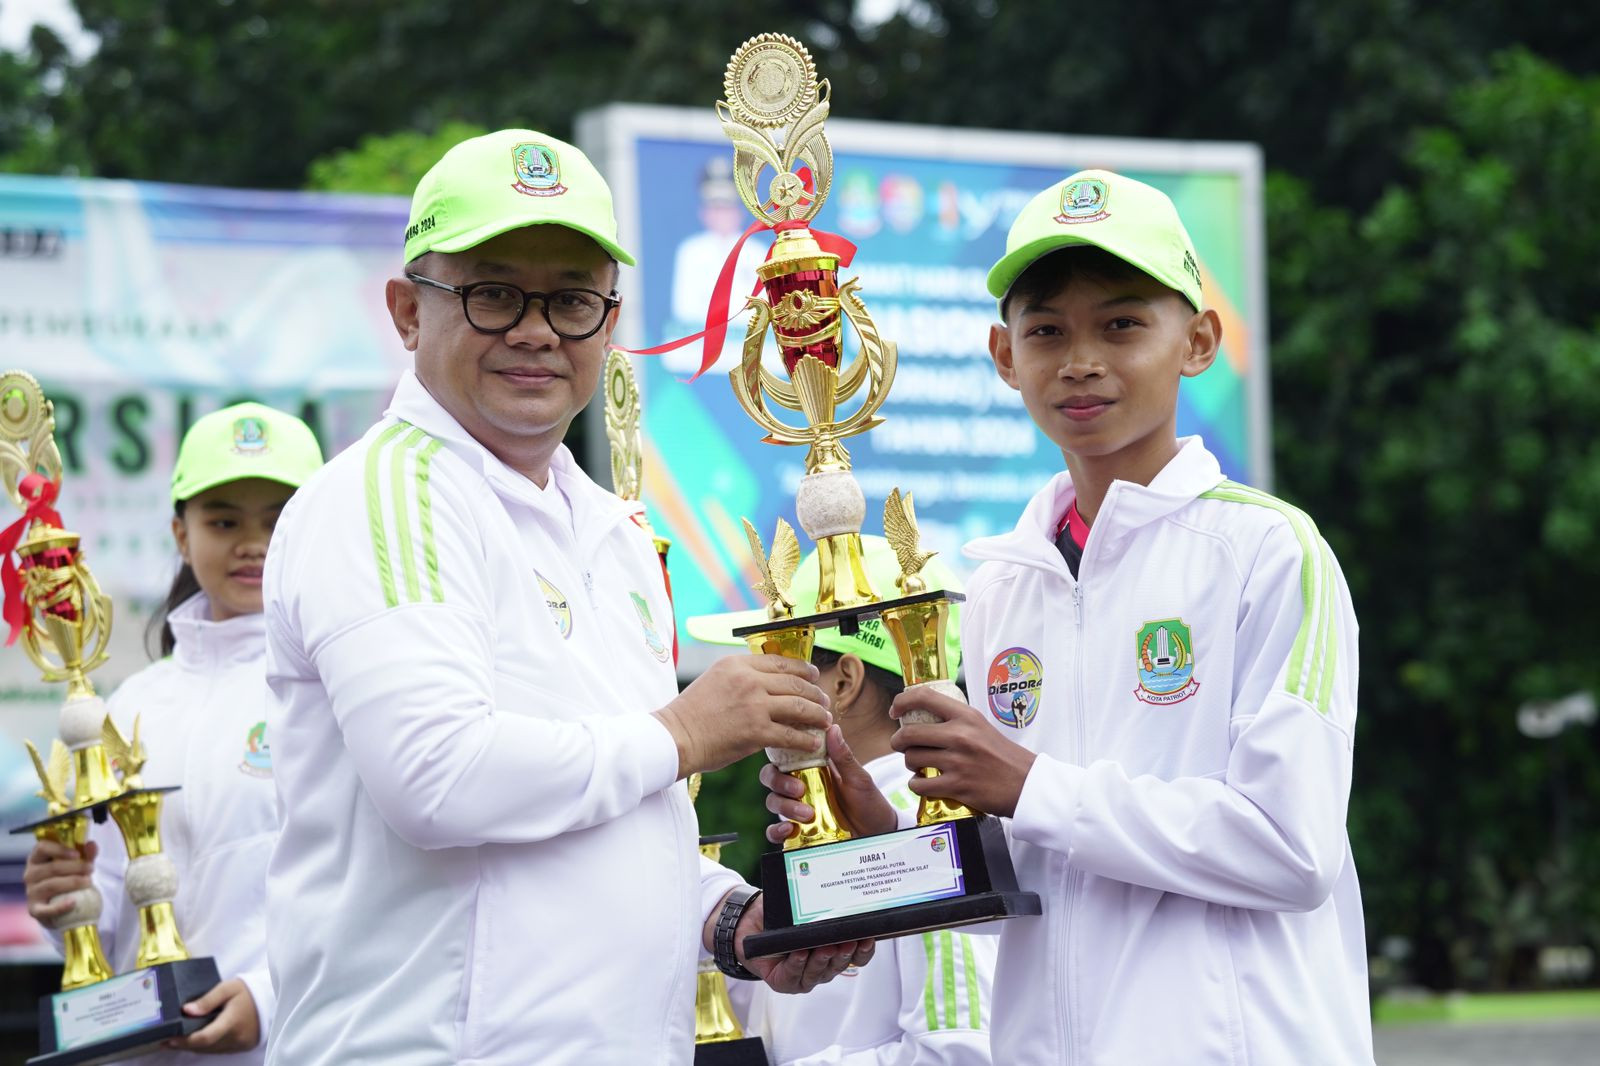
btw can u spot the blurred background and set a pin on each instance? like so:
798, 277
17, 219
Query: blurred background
1430, 304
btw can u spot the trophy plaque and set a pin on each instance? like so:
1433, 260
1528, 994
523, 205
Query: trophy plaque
830, 884
55, 606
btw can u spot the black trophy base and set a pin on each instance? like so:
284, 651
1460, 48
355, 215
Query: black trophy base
990, 893
745, 1052
176, 983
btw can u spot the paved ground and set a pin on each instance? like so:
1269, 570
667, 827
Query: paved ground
1542, 1043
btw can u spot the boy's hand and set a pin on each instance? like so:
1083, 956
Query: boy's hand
237, 1026
864, 807
977, 766
53, 871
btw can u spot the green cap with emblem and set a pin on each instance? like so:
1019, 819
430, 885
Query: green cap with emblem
1133, 221
245, 440
871, 643
501, 181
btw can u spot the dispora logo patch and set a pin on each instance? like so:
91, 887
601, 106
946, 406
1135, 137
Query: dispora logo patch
1016, 682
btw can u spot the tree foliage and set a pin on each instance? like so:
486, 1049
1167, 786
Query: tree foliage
1434, 254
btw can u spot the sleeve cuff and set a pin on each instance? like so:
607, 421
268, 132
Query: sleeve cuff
259, 982
647, 743
1048, 806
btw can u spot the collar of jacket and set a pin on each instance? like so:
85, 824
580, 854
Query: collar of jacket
202, 644
1127, 506
593, 508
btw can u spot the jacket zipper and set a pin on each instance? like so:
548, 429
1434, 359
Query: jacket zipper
1069, 1015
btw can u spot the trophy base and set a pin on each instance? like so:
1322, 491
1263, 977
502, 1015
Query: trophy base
909, 881
747, 1051
124, 1015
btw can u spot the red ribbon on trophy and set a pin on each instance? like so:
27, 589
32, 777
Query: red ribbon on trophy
39, 492
718, 313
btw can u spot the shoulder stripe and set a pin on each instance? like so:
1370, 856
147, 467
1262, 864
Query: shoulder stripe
380, 544
1311, 660
391, 502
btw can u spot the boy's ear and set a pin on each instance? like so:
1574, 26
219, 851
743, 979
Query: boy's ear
1205, 340
1000, 352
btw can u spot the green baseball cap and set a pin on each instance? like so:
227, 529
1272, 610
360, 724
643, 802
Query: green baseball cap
245, 440
1133, 221
501, 181
871, 643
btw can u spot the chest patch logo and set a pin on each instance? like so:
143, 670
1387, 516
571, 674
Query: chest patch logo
1016, 681
257, 752
1165, 662
560, 609
652, 639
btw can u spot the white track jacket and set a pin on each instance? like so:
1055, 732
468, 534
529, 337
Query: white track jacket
485, 855
922, 1001
202, 717
1192, 699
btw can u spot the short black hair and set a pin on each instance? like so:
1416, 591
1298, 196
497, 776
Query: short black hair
1050, 274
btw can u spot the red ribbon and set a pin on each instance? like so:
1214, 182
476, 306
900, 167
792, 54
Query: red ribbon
718, 313
40, 492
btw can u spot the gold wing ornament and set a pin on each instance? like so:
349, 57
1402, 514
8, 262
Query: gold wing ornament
777, 569
127, 755
900, 528
53, 776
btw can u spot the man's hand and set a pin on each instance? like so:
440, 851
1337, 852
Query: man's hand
862, 805
53, 871
977, 766
742, 704
798, 971
237, 1026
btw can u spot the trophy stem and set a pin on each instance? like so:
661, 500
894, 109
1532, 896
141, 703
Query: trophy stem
825, 826
843, 576
919, 634
85, 962
714, 1020
159, 941
93, 781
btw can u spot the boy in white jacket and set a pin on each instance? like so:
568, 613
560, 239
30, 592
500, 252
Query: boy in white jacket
1162, 688
202, 712
925, 1000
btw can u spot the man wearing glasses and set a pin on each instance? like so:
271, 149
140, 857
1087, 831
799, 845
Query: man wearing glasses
487, 854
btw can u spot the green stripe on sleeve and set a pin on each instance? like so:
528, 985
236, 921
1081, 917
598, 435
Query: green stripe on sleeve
974, 1015
1306, 677
947, 949
402, 513
1331, 638
380, 543
430, 553
930, 1005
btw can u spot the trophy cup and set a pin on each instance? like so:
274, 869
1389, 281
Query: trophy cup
829, 884
64, 622
718, 1038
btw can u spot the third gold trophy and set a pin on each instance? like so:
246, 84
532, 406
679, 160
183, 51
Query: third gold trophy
830, 884
91, 771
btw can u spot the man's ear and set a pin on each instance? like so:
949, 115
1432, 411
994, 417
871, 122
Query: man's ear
1000, 352
1205, 341
180, 533
401, 296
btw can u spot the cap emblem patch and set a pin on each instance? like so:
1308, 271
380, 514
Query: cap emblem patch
1084, 200
538, 170
249, 436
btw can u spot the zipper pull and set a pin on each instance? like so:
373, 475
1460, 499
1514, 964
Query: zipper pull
1077, 604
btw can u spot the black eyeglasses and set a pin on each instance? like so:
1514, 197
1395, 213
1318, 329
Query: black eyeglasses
495, 307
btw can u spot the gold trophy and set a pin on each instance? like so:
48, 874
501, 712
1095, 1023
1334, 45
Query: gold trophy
831, 885
91, 771
718, 1038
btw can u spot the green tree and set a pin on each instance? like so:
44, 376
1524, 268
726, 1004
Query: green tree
1437, 381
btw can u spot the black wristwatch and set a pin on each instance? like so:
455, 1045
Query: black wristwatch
733, 908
